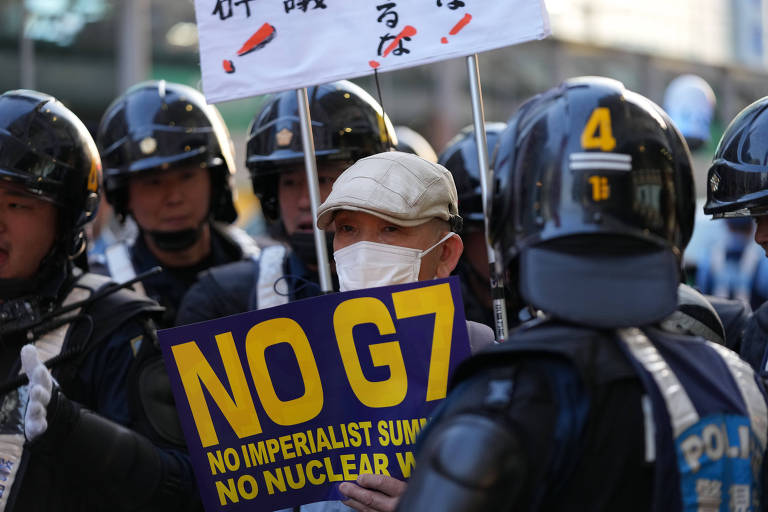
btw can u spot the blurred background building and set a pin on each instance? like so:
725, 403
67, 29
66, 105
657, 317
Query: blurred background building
86, 52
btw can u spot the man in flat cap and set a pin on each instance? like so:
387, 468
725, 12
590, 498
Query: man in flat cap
396, 218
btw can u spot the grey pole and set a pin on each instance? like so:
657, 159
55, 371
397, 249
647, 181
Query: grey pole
134, 43
478, 116
310, 164
26, 52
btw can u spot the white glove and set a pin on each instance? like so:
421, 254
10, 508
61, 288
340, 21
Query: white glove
40, 388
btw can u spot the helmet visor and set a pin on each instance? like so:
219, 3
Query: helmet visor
161, 145
607, 288
736, 190
40, 174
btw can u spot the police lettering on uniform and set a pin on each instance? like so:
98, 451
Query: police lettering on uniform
737, 186
346, 125
595, 407
169, 163
92, 430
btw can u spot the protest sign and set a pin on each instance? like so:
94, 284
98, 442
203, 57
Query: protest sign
251, 47
280, 405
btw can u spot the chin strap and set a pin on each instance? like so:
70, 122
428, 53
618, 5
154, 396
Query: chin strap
175, 241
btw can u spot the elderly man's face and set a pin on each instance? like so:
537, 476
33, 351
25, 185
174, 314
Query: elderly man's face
353, 226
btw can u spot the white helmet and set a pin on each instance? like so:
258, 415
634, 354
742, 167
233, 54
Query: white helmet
690, 102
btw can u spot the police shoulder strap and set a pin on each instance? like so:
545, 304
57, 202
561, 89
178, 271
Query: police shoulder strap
271, 263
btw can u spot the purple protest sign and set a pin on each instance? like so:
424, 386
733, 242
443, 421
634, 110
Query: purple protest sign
280, 405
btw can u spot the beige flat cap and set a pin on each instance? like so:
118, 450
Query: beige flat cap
399, 187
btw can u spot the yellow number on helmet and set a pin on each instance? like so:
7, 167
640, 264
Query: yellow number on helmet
597, 133
601, 189
93, 178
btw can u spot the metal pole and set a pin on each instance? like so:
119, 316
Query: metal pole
478, 116
310, 164
765, 33
26, 52
134, 45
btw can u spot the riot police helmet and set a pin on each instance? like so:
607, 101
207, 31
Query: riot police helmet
158, 125
460, 157
690, 102
594, 203
737, 181
47, 150
347, 124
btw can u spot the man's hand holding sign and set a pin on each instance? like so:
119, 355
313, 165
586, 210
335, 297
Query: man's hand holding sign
373, 493
281, 405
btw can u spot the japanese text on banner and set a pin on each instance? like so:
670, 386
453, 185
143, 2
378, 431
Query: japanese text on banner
288, 44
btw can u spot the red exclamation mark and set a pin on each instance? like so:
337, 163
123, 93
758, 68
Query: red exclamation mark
258, 40
463, 22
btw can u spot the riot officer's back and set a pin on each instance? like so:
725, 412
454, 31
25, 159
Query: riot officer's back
594, 406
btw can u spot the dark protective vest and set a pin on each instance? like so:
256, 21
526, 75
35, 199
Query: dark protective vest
710, 418
275, 277
705, 415
12, 440
70, 342
228, 244
735, 316
754, 342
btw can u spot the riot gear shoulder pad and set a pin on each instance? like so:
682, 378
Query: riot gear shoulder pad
695, 316
457, 471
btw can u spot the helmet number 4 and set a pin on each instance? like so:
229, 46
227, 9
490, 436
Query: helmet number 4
597, 133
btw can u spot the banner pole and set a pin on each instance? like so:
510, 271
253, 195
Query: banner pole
478, 116
310, 164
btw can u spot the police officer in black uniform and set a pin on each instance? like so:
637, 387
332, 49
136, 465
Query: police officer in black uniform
346, 125
105, 435
169, 163
460, 157
737, 186
596, 407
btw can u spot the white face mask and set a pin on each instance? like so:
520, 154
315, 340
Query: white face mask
371, 264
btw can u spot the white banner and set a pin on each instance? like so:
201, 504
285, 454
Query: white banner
252, 47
